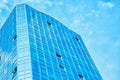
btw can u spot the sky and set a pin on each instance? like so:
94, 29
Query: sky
97, 21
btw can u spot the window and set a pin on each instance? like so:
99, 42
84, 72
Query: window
80, 76
49, 23
58, 55
77, 39
14, 72
14, 38
61, 66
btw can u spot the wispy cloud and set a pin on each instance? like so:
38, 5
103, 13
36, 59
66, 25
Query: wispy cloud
103, 4
3, 5
5, 1
92, 21
76, 22
40, 2
109, 66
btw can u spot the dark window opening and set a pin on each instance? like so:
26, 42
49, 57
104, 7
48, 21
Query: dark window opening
14, 38
80, 75
58, 55
14, 72
49, 23
61, 66
0, 58
77, 39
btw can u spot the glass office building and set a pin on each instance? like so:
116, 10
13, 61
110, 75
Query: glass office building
35, 46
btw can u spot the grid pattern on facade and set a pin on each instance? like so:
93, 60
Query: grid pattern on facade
8, 49
41, 48
48, 37
23, 47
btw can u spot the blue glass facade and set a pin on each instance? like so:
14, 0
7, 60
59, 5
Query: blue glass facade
35, 46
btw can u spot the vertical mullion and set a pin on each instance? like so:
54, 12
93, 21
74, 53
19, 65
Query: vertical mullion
59, 37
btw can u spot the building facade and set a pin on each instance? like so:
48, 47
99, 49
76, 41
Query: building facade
35, 46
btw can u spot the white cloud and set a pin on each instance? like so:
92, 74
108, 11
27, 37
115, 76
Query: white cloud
5, 1
105, 4
109, 66
40, 2
75, 22
49, 3
93, 13
3, 4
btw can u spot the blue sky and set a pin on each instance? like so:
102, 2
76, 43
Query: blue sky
97, 21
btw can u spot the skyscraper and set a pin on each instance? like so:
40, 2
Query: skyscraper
35, 46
